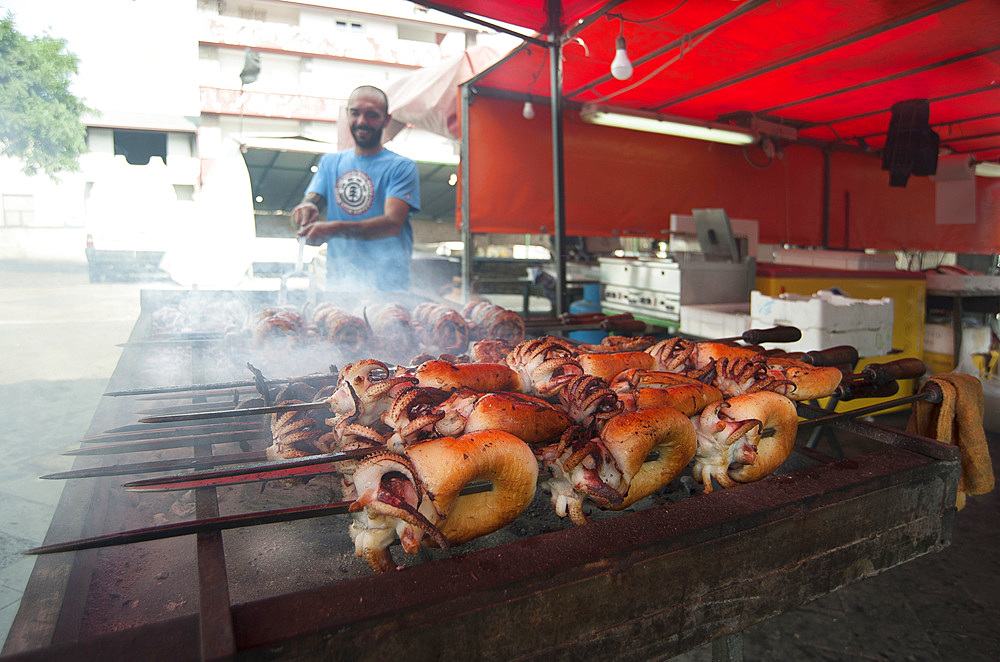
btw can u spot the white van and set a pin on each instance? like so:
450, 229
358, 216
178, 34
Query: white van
129, 210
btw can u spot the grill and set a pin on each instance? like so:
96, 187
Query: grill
668, 575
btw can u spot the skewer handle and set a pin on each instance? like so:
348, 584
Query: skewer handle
854, 390
880, 373
623, 325
774, 334
840, 355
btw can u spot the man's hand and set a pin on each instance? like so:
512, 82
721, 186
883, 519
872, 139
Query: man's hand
305, 213
316, 233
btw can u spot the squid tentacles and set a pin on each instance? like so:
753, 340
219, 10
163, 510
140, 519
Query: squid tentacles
428, 481
730, 446
632, 456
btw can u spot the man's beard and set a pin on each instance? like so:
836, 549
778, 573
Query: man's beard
374, 138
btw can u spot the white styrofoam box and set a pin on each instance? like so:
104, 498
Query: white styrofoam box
715, 320
963, 283
828, 259
940, 338
868, 342
823, 310
827, 320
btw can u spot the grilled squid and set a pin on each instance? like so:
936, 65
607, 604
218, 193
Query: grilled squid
392, 329
365, 391
608, 365
808, 382
418, 414
417, 497
488, 321
528, 418
731, 447
299, 433
440, 327
638, 389
615, 468
737, 370
674, 355
619, 344
490, 351
543, 365
589, 402
338, 327
438, 373
276, 330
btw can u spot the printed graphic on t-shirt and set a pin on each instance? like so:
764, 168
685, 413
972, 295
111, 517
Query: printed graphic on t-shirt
354, 192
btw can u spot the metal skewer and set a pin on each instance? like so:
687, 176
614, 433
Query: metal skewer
276, 470
214, 524
141, 432
161, 443
160, 465
228, 413
197, 526
930, 393
327, 378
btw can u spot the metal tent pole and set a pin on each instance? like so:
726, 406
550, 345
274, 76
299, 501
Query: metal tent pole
465, 94
558, 173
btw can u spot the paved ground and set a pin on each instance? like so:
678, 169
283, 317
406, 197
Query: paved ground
59, 335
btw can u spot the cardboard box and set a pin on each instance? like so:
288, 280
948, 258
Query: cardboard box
940, 338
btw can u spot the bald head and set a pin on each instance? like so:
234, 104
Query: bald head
373, 92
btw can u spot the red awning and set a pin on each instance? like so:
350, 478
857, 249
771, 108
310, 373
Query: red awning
831, 69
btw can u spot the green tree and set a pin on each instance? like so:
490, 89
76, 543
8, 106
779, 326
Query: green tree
39, 117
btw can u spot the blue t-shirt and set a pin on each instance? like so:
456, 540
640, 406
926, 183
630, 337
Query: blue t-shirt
355, 187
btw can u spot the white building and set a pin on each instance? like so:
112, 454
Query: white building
164, 78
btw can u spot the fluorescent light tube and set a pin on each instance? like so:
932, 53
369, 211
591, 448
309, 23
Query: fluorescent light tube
671, 126
986, 169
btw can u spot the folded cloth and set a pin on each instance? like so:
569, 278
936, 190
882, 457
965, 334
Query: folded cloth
958, 420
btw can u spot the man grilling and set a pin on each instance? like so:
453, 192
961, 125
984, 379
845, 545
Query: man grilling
367, 195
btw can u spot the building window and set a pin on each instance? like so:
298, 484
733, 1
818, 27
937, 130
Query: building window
253, 14
350, 27
18, 210
139, 146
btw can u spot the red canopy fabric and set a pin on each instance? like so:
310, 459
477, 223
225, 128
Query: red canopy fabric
831, 69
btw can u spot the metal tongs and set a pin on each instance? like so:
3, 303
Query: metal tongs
296, 272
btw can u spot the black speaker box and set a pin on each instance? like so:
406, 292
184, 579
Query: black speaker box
911, 146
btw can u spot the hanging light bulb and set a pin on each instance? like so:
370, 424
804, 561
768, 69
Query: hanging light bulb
621, 66
529, 110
